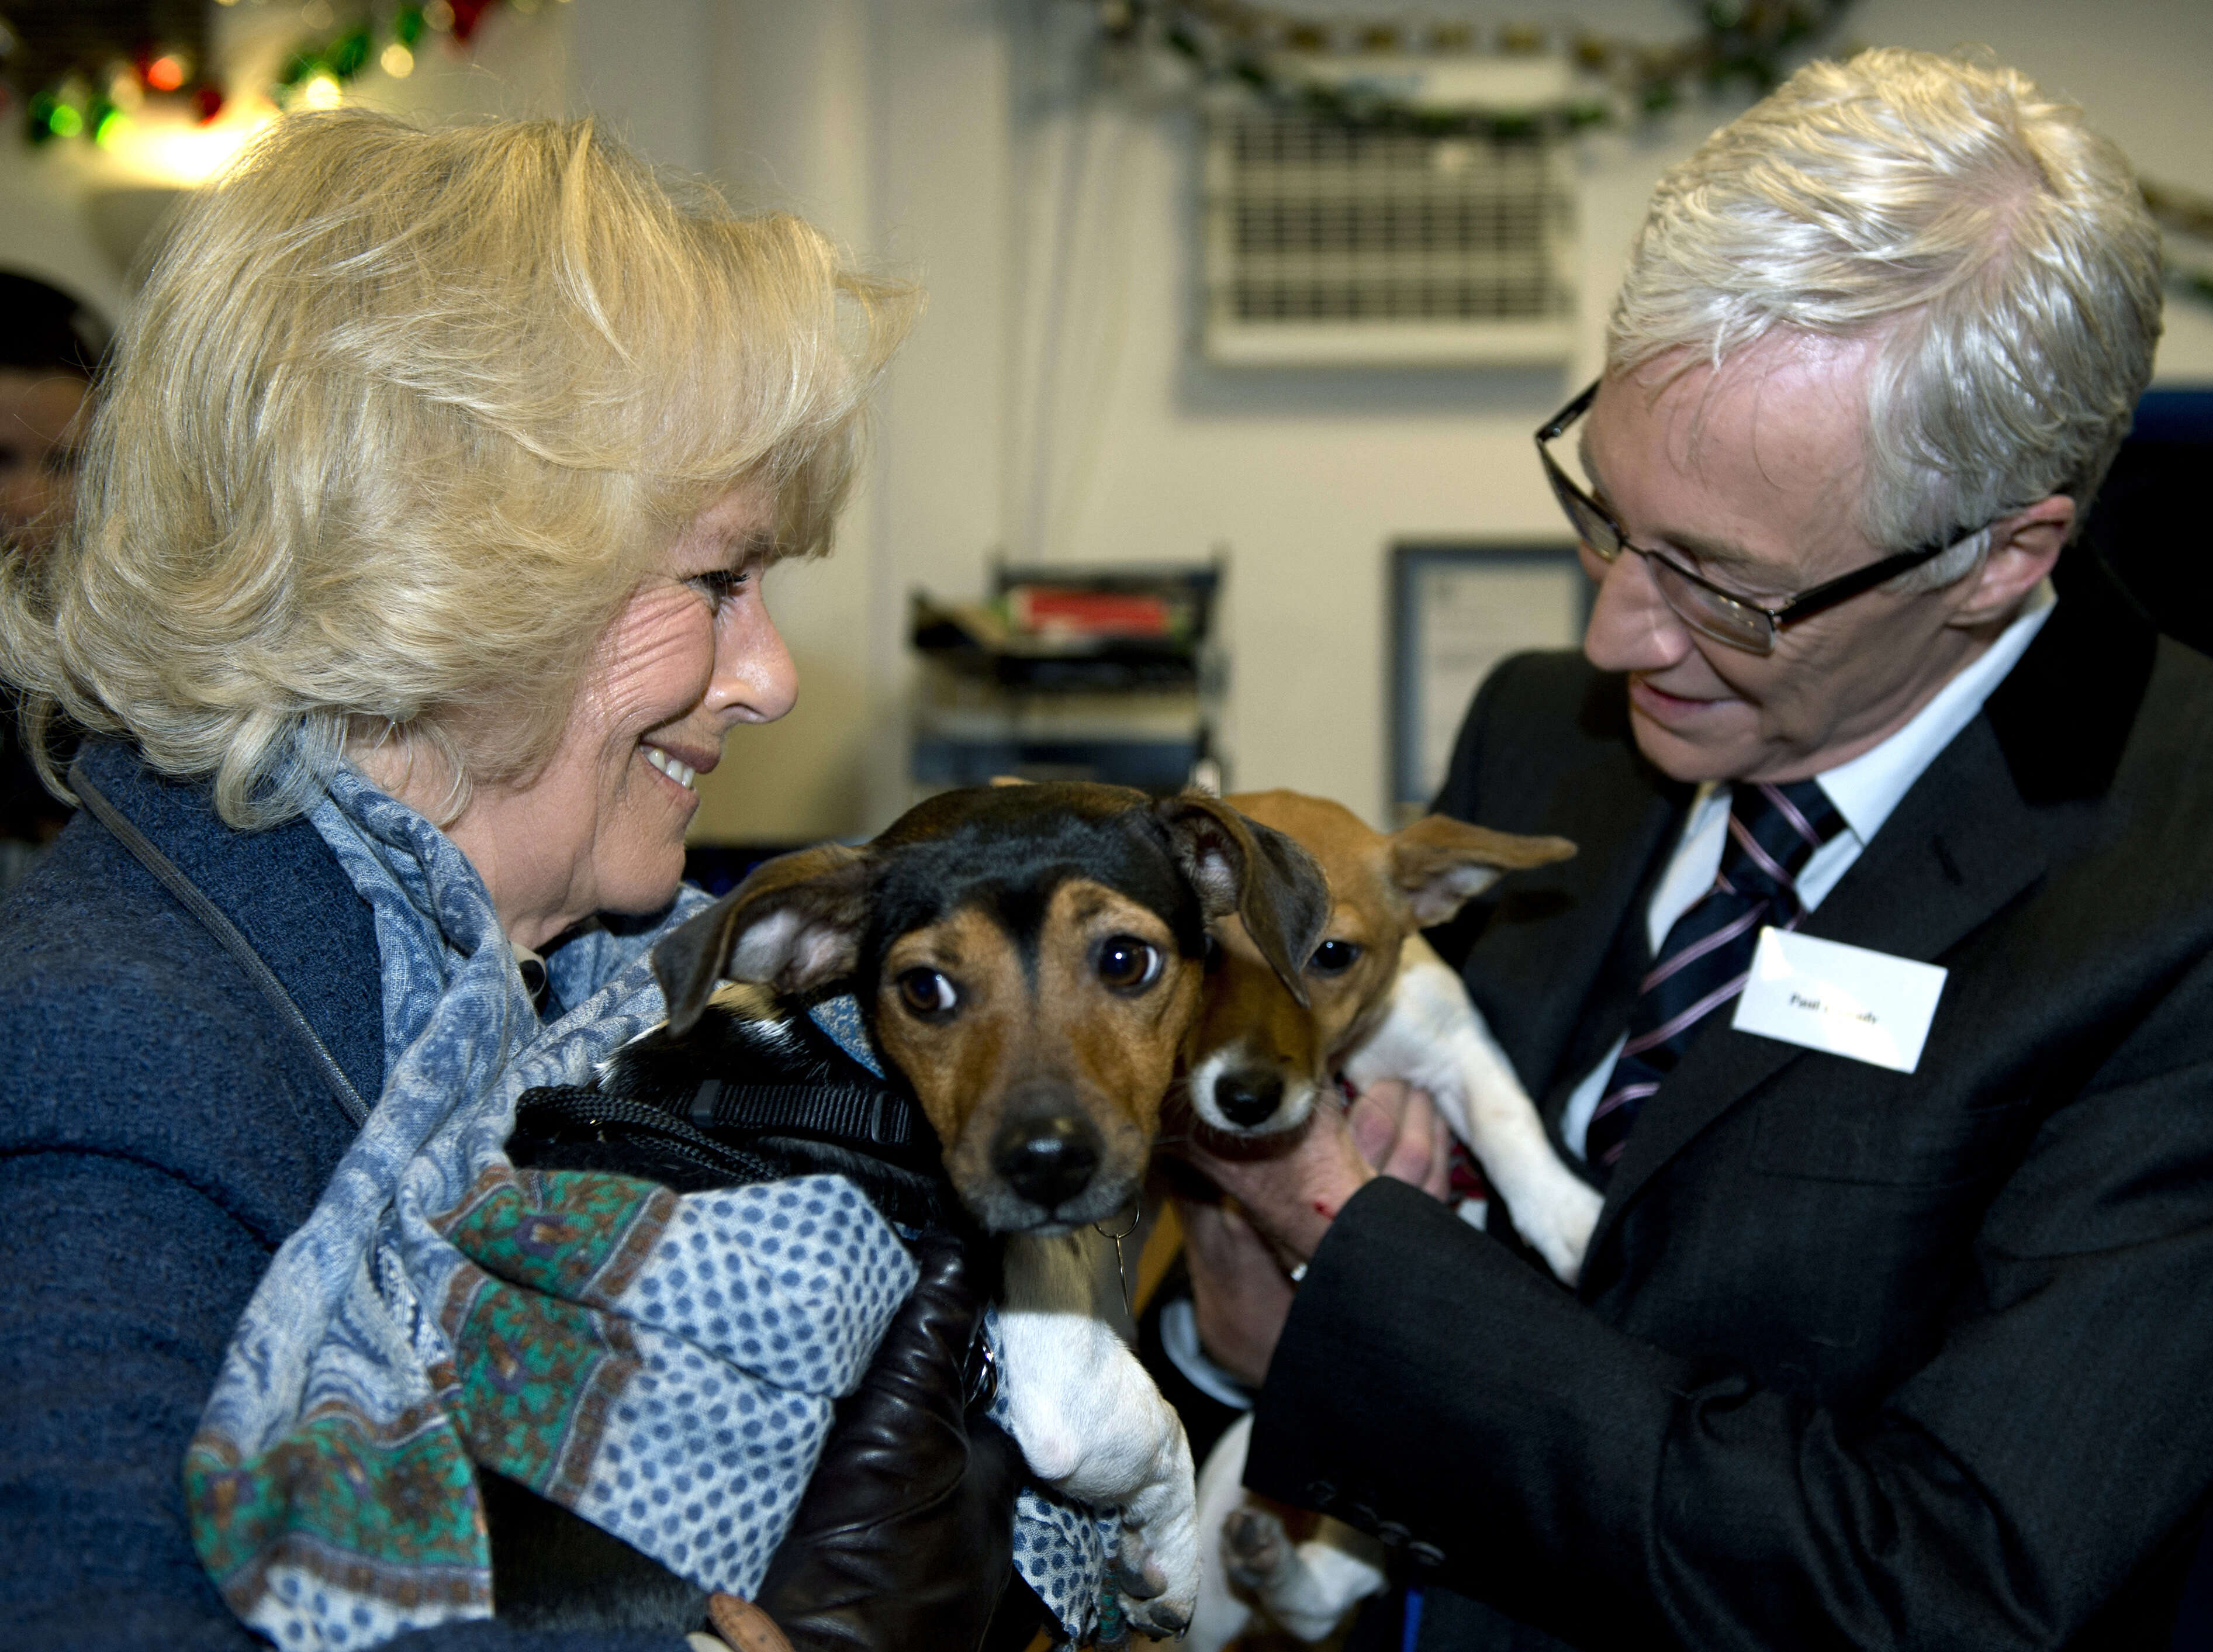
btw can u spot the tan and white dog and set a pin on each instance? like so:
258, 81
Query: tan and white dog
1381, 1004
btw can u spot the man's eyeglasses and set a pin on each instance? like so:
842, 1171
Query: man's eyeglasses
1699, 602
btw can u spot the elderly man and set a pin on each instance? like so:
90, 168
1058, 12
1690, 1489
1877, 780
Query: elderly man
1892, 1331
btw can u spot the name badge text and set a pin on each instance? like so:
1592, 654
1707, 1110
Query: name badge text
1845, 1000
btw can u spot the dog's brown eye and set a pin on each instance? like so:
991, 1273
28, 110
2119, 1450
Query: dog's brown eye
1129, 964
928, 993
1334, 957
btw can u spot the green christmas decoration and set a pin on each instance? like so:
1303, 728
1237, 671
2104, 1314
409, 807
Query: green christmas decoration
66, 105
2187, 216
1740, 43
341, 57
68, 69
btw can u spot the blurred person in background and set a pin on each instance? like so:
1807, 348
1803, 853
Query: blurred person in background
50, 348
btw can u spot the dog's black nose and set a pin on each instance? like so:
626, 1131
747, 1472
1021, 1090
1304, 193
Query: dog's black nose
1047, 1161
1248, 1098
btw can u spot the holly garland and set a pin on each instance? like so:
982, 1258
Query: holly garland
98, 106
2184, 213
1235, 42
316, 71
1740, 42
336, 62
319, 71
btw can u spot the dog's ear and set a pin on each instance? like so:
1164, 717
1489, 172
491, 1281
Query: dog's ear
794, 923
1441, 863
1238, 865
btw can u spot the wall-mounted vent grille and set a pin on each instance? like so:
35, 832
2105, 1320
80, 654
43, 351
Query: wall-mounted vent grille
1327, 244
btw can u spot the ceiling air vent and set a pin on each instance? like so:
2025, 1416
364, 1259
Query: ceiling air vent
1329, 245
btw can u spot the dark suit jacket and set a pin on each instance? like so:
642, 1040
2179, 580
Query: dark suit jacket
1858, 1358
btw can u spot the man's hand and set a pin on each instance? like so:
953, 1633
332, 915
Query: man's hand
1292, 1196
1399, 1131
1284, 1204
1239, 1295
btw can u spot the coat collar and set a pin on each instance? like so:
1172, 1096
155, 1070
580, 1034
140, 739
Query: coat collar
1963, 842
1550, 941
284, 889
2063, 715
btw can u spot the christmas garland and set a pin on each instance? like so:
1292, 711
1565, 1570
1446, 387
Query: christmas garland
1741, 42
84, 77
95, 105
318, 71
2182, 212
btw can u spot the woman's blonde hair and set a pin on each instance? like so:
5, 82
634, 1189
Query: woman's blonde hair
1996, 250
400, 420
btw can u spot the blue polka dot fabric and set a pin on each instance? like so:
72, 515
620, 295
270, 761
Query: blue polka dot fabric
759, 1308
1062, 1549
840, 1017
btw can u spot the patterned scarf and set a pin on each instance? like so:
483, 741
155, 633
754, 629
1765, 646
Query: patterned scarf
664, 1366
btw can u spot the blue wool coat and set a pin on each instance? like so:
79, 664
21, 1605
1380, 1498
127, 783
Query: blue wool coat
160, 1133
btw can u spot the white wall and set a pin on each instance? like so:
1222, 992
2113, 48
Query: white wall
956, 140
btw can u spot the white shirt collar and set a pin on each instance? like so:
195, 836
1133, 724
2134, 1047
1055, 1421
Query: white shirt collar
1866, 789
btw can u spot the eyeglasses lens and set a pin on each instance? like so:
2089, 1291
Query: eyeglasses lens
1591, 527
1704, 610
1709, 613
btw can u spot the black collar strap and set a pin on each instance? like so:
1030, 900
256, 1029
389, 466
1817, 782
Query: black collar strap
863, 1115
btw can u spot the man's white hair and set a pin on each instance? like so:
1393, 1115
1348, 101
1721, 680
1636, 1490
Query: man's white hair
1995, 250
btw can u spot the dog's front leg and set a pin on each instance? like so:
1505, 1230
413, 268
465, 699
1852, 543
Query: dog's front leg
1304, 1588
1091, 1424
1435, 1037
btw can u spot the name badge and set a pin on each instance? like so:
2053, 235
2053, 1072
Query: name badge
1845, 1000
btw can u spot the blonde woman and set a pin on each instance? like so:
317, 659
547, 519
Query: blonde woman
415, 578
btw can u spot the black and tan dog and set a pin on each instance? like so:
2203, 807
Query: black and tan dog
1028, 960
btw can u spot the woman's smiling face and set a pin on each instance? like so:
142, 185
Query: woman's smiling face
600, 827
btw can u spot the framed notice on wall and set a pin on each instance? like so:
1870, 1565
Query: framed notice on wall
1457, 609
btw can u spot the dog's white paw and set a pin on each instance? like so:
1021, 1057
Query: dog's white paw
1156, 1571
1557, 1222
1254, 1546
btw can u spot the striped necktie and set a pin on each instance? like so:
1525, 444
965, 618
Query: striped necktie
1773, 832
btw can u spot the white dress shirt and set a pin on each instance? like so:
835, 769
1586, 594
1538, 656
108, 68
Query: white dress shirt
1865, 790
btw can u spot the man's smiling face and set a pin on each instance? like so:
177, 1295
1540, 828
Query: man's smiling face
1752, 477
